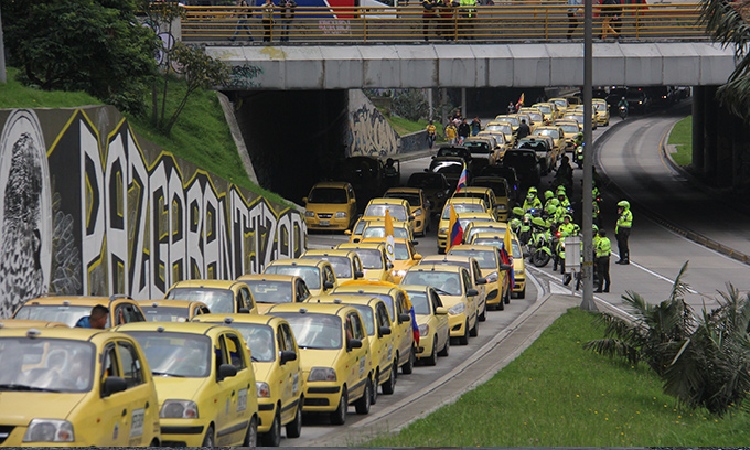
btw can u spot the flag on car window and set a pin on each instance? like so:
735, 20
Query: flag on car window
463, 180
520, 101
389, 237
414, 325
506, 254
455, 232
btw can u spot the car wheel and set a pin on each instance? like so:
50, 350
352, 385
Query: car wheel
209, 440
389, 387
464, 340
446, 348
432, 359
501, 305
408, 368
522, 294
483, 316
506, 299
294, 428
374, 390
272, 438
251, 437
362, 406
475, 329
338, 417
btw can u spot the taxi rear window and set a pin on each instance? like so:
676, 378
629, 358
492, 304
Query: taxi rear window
176, 354
271, 291
217, 300
311, 275
53, 313
315, 331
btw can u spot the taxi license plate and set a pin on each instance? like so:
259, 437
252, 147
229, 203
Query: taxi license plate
325, 223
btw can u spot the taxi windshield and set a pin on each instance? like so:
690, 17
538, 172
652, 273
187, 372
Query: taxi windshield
176, 354
217, 300
327, 195
501, 128
546, 132
385, 297
166, 314
315, 331
461, 208
398, 212
544, 108
259, 338
401, 252
311, 275
486, 258
449, 282
265, 291
569, 128
342, 266
371, 258
54, 313
419, 301
561, 102
46, 365
413, 199
379, 231
495, 242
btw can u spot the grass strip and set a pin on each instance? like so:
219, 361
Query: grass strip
556, 394
681, 137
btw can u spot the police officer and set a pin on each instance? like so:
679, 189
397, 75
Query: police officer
603, 250
622, 231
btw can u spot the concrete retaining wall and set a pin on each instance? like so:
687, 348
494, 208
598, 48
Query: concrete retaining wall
89, 208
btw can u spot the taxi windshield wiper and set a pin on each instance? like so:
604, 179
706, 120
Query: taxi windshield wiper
440, 291
23, 387
167, 374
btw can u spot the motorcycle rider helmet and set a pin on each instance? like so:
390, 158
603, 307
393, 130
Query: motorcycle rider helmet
548, 195
532, 190
594, 229
538, 221
517, 210
551, 209
555, 202
624, 204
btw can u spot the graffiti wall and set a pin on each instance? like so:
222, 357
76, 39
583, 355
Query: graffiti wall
88, 208
370, 134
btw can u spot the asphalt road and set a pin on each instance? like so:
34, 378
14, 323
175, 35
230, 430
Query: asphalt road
630, 157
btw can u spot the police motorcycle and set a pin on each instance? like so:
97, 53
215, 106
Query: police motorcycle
539, 244
521, 224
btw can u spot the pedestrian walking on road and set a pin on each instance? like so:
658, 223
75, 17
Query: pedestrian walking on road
603, 250
242, 21
287, 14
431, 134
622, 231
464, 131
451, 133
267, 11
476, 126
523, 130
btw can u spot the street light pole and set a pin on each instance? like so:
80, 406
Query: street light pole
587, 272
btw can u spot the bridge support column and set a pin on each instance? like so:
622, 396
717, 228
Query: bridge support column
710, 140
699, 124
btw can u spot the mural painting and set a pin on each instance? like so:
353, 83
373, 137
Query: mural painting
370, 134
96, 211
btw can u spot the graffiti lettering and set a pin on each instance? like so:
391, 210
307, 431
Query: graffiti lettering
244, 75
370, 132
335, 26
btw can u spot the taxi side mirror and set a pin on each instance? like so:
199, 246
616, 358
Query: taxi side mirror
353, 343
358, 274
353, 201
404, 317
383, 330
286, 356
304, 199
480, 281
243, 311
412, 218
506, 267
327, 285
113, 385
347, 232
226, 371
356, 240
389, 265
441, 310
417, 257
472, 293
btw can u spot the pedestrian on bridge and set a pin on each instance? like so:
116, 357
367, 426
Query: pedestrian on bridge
241, 21
574, 17
429, 14
267, 11
287, 14
622, 231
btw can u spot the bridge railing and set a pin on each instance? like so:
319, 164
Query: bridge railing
512, 22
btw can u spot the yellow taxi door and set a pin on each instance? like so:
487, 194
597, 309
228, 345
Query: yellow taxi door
358, 372
114, 419
405, 336
234, 390
473, 300
143, 411
290, 373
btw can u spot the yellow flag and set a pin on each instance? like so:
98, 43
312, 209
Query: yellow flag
388, 224
390, 241
508, 242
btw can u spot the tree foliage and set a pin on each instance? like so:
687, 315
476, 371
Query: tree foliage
726, 23
97, 46
410, 105
703, 361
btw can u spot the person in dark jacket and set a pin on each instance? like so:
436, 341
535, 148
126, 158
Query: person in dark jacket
464, 130
523, 130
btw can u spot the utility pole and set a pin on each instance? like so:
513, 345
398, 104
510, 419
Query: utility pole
587, 269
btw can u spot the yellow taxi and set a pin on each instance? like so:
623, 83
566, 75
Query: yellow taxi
419, 206
482, 227
355, 232
318, 274
18, 323
432, 318
335, 357
404, 255
398, 304
475, 272
501, 142
346, 263
460, 205
523, 117
75, 388
483, 192
279, 383
377, 230
377, 224
172, 310
374, 313
562, 104
519, 264
512, 119
570, 128
602, 111
204, 379
271, 289
454, 285
558, 138
397, 208
549, 111
492, 270
70, 310
221, 296
504, 127
375, 263
330, 205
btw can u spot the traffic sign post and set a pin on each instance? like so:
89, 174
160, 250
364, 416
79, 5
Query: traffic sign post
573, 259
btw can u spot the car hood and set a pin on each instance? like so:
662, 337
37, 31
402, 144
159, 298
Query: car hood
178, 388
263, 370
310, 358
451, 300
18, 408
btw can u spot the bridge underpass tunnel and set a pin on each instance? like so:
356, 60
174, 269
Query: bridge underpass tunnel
294, 138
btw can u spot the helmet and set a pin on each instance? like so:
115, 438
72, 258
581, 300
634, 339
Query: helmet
624, 204
594, 228
548, 195
555, 202
551, 209
517, 210
561, 187
538, 221
580, 134
532, 190
559, 193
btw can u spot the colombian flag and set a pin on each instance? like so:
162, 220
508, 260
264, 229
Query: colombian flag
520, 101
414, 325
463, 180
455, 232
506, 254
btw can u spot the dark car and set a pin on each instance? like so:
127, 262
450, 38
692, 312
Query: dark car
366, 175
638, 100
449, 166
509, 173
434, 185
456, 152
526, 165
544, 153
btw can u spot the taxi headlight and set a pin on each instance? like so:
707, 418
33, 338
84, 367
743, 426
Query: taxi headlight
418, 212
179, 409
518, 272
443, 230
309, 214
501, 207
340, 215
262, 389
49, 430
424, 329
322, 374
398, 273
458, 308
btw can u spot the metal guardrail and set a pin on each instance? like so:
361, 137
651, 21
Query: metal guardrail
514, 22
